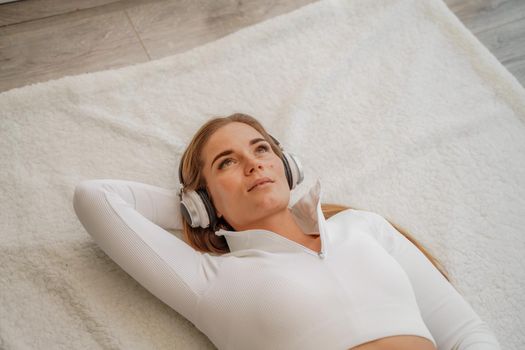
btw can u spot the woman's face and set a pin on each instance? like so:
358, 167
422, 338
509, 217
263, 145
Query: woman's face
235, 157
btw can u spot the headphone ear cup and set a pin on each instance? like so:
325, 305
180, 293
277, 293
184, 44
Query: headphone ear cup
210, 211
287, 171
196, 208
186, 214
293, 169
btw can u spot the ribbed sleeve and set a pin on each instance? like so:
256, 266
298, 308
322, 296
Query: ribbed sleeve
127, 220
451, 320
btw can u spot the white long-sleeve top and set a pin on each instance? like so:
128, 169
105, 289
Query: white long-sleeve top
367, 282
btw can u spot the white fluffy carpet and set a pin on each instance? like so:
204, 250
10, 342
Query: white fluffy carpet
393, 104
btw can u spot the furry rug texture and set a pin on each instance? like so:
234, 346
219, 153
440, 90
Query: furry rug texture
393, 104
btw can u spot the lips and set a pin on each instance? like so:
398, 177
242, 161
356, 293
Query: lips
259, 181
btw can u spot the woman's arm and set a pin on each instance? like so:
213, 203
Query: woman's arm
127, 220
451, 320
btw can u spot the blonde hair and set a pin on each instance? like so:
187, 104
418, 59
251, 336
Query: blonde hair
205, 239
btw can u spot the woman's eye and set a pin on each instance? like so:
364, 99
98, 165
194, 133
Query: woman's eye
264, 148
224, 162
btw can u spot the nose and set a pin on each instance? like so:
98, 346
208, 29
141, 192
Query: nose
253, 164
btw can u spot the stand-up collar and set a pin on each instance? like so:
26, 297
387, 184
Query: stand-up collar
309, 216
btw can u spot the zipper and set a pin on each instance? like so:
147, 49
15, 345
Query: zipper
320, 254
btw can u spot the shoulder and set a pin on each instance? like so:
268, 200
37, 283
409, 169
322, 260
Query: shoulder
366, 222
356, 215
352, 220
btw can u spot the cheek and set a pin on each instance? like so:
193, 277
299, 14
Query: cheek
279, 168
216, 190
225, 186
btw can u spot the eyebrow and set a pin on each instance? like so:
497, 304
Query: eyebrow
229, 151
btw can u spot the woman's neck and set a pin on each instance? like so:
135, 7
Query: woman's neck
282, 223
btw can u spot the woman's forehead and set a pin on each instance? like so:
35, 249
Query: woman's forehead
232, 134
236, 128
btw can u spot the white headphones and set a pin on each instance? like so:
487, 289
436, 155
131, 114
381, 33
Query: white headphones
197, 208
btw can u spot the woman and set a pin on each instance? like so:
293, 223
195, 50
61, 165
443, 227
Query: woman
254, 273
